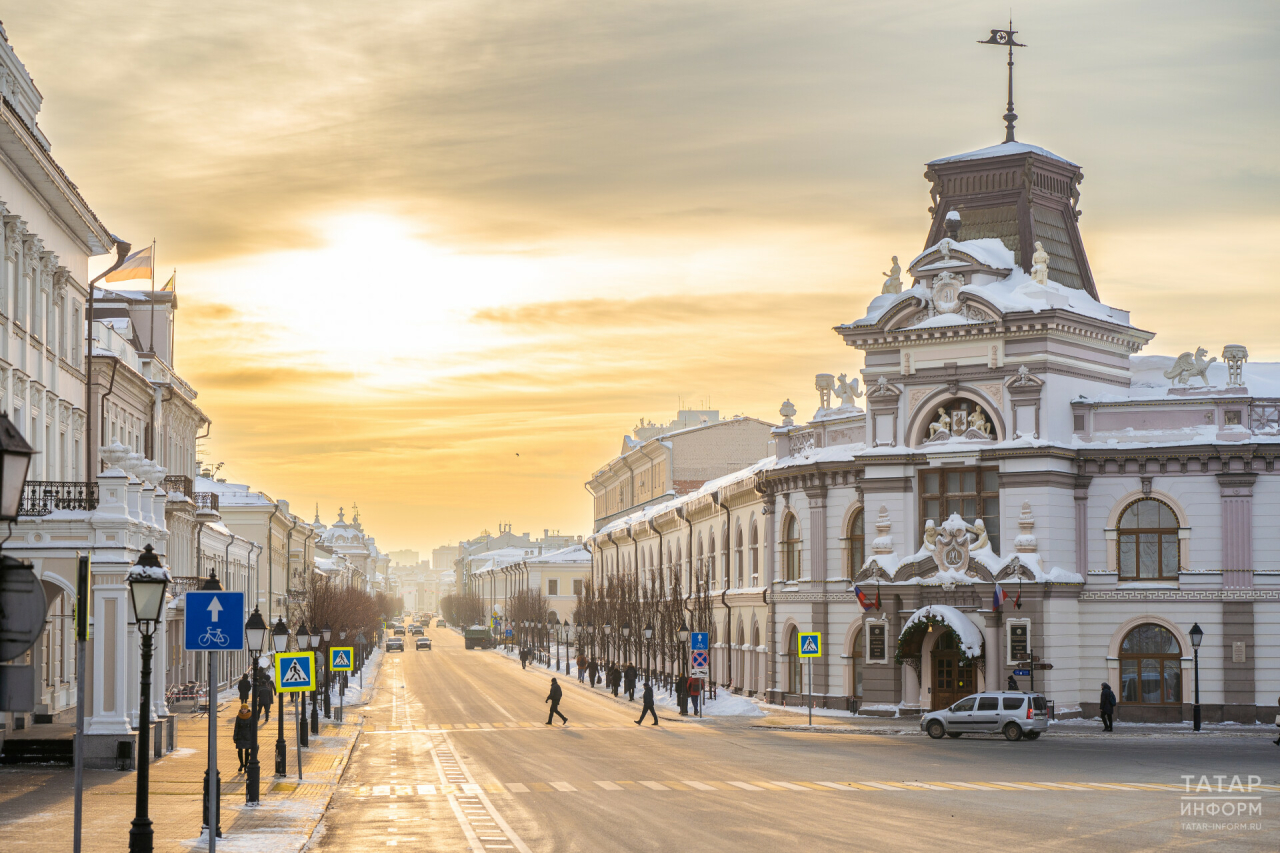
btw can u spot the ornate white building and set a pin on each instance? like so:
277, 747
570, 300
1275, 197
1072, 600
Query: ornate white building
1011, 437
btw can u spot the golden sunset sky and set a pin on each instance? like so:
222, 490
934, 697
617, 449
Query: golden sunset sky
417, 237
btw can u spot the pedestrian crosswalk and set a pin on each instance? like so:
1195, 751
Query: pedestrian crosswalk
376, 728
761, 786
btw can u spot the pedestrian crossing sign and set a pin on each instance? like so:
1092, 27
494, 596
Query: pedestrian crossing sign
340, 659
810, 645
295, 672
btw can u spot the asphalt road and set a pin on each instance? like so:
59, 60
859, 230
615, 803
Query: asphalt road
457, 756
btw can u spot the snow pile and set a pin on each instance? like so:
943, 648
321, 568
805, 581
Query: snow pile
969, 634
1020, 292
726, 704
988, 251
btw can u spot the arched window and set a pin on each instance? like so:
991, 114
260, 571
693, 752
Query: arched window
737, 557
857, 544
1148, 541
724, 555
795, 676
1151, 666
711, 557
755, 554
791, 548
700, 555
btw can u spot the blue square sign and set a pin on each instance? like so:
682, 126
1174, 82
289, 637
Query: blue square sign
215, 621
698, 641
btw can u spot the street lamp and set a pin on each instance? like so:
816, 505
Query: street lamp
626, 639
682, 634
15, 457
147, 582
568, 639
315, 706
608, 631
325, 633
255, 633
1197, 635
280, 642
648, 638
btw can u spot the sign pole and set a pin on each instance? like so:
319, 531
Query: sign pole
212, 787
297, 716
810, 692
1031, 656
82, 632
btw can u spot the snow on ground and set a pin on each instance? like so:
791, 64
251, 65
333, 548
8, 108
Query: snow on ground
725, 704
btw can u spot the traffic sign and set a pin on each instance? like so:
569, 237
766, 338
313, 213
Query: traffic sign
341, 659
23, 605
215, 621
810, 645
698, 641
295, 672
1042, 665
699, 663
1023, 672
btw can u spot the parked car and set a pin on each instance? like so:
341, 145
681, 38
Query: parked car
395, 645
423, 643
1017, 715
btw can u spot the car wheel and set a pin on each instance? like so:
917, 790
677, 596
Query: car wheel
1013, 731
935, 729
1032, 735
953, 734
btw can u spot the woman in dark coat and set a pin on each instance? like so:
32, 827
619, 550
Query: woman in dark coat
243, 735
1106, 706
244, 686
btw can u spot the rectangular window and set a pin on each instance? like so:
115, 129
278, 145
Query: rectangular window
553, 586
988, 703
971, 493
577, 586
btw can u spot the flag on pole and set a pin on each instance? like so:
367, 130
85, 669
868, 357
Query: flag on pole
1000, 597
172, 284
877, 595
137, 265
862, 598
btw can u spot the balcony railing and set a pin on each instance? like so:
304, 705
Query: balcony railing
41, 497
178, 483
205, 500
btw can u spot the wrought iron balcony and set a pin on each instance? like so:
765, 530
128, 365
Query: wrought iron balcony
205, 500
41, 497
178, 483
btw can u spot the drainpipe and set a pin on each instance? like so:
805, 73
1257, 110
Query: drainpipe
288, 567
724, 598
90, 468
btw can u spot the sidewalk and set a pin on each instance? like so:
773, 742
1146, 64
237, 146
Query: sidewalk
36, 802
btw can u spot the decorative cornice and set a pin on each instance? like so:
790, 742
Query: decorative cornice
1182, 595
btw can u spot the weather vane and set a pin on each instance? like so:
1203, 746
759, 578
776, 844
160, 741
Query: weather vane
1005, 38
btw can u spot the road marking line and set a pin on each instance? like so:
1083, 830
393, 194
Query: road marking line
517, 788
540, 787
873, 785
791, 786
471, 788
1022, 786
381, 790
1064, 785
675, 786
925, 785
494, 788
563, 786
655, 786
699, 786
609, 786
746, 786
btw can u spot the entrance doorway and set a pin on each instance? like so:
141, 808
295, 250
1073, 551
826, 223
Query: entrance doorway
953, 678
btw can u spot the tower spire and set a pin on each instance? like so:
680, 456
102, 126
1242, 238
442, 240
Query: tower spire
1004, 38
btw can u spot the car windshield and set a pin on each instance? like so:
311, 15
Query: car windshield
963, 705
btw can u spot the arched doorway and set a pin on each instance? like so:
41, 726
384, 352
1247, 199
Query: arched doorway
795, 675
856, 667
952, 675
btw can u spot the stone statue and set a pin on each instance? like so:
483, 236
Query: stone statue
930, 535
1188, 366
847, 391
979, 421
980, 531
788, 411
1040, 265
942, 424
1235, 356
893, 278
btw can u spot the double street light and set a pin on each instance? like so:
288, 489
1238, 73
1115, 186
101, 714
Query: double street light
147, 581
280, 642
255, 632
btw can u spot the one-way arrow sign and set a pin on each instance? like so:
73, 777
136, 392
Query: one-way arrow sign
214, 609
203, 632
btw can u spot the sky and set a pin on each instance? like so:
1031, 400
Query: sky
437, 256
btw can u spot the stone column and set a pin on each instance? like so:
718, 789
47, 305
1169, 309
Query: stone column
994, 669
1082, 525
1237, 529
110, 636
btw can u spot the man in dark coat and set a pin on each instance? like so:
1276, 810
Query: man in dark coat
266, 695
615, 678
647, 707
554, 698
630, 675
1106, 706
524, 657
245, 686
592, 669
1013, 683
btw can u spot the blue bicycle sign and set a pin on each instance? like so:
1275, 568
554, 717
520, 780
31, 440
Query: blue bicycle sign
214, 621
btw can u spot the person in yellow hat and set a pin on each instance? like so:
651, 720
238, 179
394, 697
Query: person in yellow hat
243, 735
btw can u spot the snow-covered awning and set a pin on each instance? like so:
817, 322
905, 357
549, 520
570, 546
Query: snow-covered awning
969, 635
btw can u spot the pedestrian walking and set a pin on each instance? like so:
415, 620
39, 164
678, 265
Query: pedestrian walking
630, 676
524, 657
1013, 683
615, 678
582, 668
554, 698
245, 686
592, 669
242, 734
695, 693
1277, 724
647, 704
266, 696
1106, 706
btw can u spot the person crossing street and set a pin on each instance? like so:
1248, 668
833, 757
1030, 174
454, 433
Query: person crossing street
648, 705
554, 698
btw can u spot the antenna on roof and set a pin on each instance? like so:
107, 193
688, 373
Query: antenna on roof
1005, 38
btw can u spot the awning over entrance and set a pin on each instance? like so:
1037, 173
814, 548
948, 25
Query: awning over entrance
912, 636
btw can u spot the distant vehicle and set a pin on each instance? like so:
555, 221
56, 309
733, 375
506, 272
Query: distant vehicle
398, 631
423, 643
1017, 715
440, 624
477, 637
416, 630
395, 645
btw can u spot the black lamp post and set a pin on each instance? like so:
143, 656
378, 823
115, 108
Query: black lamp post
568, 638
147, 582
315, 705
682, 687
648, 642
326, 632
303, 638
255, 633
360, 642
608, 632
280, 642
1197, 634
626, 642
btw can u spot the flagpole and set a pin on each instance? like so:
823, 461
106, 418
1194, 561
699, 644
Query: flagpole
173, 314
151, 339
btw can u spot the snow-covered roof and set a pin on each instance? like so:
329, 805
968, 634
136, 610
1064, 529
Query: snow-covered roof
572, 554
970, 635
1020, 292
707, 488
988, 251
1002, 150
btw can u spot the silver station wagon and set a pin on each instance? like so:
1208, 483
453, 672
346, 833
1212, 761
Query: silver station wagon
1017, 715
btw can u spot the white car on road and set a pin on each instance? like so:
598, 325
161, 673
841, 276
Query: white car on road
1017, 715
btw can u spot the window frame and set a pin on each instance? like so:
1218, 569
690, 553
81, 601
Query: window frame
856, 542
942, 496
1134, 534
791, 548
1163, 658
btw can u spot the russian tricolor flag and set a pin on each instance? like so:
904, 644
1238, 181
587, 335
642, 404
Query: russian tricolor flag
999, 598
862, 598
